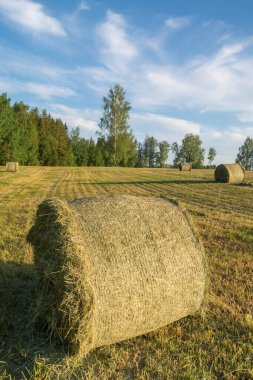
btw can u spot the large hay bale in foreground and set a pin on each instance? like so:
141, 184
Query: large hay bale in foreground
229, 173
12, 166
185, 167
112, 268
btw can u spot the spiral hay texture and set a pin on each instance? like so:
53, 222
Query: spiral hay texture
229, 173
12, 166
112, 268
185, 167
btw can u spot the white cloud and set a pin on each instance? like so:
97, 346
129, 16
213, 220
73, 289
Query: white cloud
76, 25
86, 119
246, 117
47, 91
239, 134
44, 91
222, 82
226, 141
177, 22
163, 127
17, 63
31, 16
83, 6
116, 48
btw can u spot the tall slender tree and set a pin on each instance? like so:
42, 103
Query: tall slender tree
114, 127
211, 155
163, 154
150, 151
140, 159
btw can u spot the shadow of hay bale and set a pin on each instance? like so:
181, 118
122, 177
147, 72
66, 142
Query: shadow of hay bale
17, 284
247, 184
20, 342
147, 182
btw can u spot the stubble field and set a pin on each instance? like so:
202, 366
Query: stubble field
216, 343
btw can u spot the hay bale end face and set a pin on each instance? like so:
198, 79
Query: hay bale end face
112, 268
185, 167
12, 166
233, 173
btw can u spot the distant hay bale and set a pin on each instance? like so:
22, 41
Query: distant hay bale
229, 173
12, 166
185, 167
112, 268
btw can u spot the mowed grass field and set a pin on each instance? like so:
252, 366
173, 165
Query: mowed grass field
216, 343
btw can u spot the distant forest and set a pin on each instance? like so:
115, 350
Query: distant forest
36, 138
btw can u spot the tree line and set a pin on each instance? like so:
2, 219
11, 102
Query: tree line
36, 138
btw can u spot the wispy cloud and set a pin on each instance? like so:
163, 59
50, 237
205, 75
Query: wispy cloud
246, 117
31, 16
116, 48
177, 22
28, 73
164, 127
220, 82
43, 91
46, 91
86, 119
83, 6
18, 64
226, 141
74, 22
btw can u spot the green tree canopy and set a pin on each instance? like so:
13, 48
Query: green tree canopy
150, 147
9, 134
114, 128
140, 158
163, 154
28, 143
54, 144
151, 153
211, 155
245, 154
190, 151
79, 147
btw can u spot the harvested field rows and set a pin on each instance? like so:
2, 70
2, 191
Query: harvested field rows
215, 344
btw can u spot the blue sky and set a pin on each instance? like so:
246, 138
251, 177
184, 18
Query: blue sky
186, 65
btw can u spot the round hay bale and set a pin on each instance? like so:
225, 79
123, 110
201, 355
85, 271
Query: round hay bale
12, 166
112, 268
229, 173
185, 167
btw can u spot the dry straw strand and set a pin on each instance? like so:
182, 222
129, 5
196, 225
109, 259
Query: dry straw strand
112, 268
233, 173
